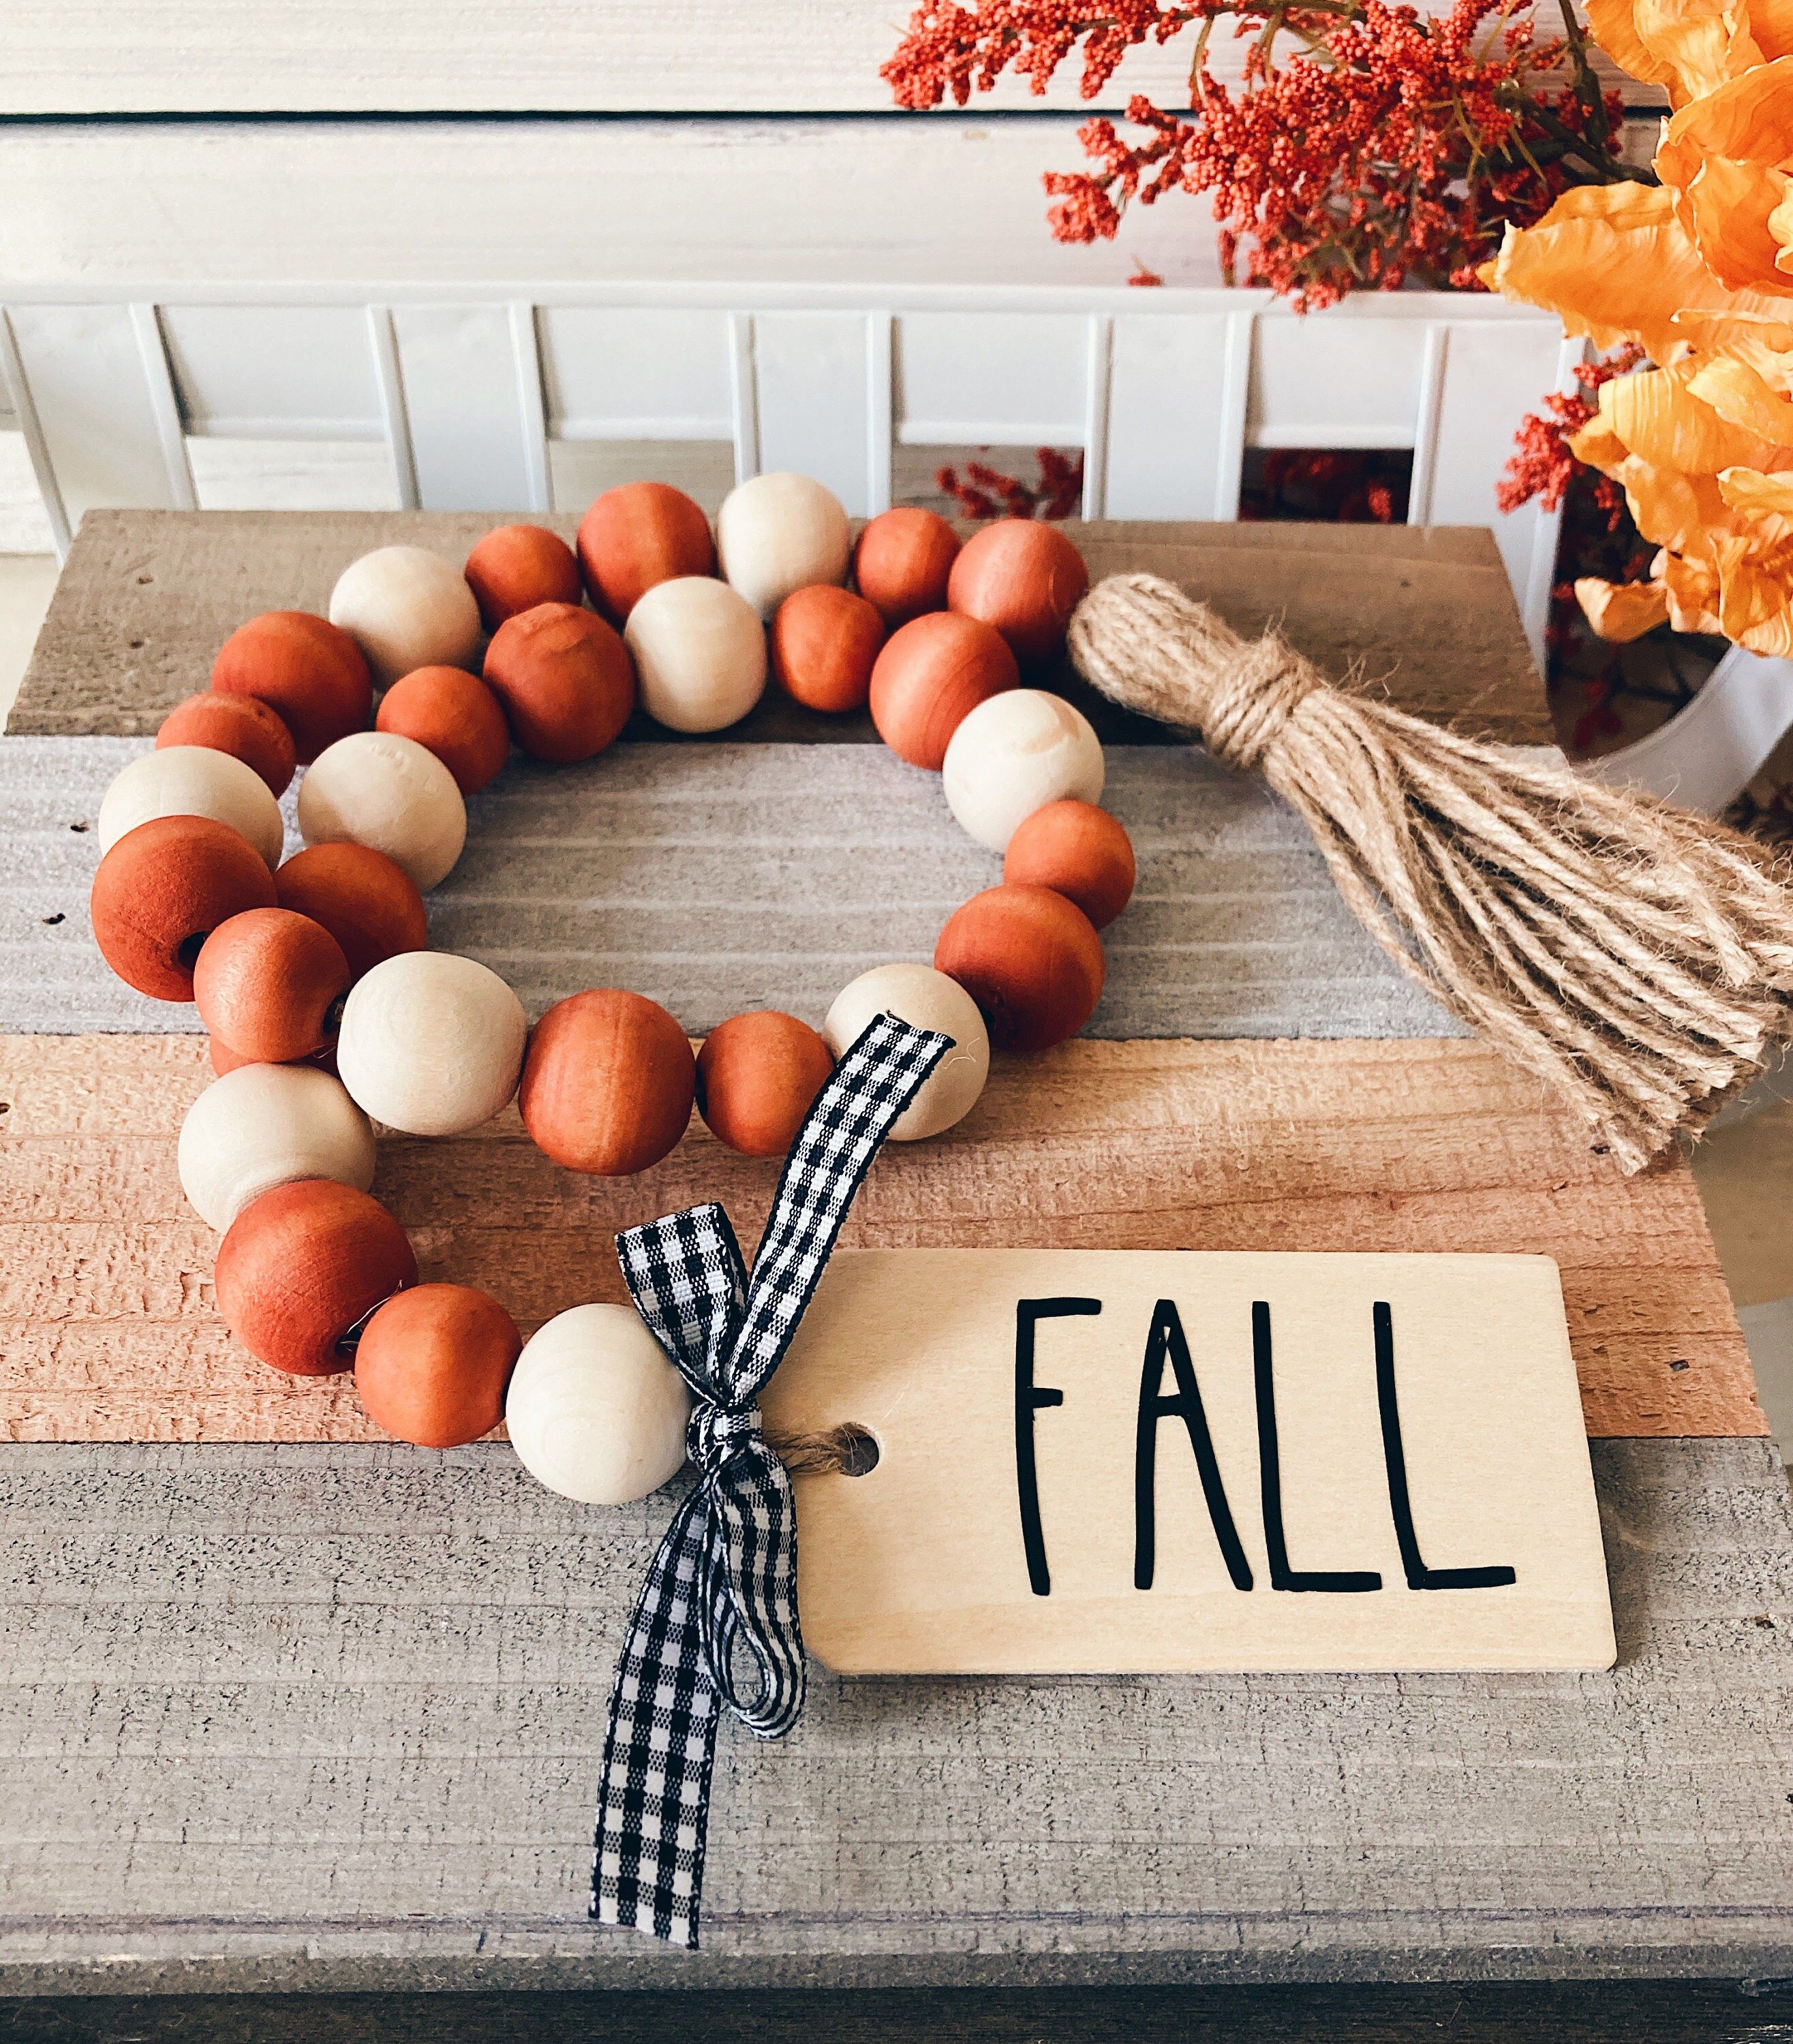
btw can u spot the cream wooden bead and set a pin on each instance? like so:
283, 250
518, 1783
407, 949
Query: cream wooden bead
781, 533
431, 1043
376, 788
193, 781
595, 1409
700, 653
1013, 754
407, 608
928, 1000
265, 1125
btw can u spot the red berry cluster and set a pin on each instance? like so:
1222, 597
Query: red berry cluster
1389, 147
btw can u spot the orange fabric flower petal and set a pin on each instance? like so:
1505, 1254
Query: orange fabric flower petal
1621, 611
1706, 42
1742, 397
1748, 490
1660, 419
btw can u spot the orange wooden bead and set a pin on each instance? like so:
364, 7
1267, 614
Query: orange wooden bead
313, 673
518, 566
565, 679
757, 1077
902, 562
823, 642
1025, 578
244, 726
162, 890
225, 1059
637, 534
608, 1083
932, 672
300, 1266
1077, 851
454, 715
1030, 959
367, 901
268, 983
432, 1365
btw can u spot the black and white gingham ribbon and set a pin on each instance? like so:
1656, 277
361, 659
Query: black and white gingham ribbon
725, 1577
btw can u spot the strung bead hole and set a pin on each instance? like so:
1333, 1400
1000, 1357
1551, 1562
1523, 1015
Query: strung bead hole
189, 948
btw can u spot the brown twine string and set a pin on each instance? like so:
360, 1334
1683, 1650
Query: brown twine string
1637, 957
844, 1450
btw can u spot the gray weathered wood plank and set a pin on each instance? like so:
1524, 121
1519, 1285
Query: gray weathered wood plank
331, 1717
148, 597
723, 877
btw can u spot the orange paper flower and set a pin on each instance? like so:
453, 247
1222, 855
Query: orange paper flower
1698, 272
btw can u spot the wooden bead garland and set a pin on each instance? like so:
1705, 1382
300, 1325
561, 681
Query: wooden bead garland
312, 1273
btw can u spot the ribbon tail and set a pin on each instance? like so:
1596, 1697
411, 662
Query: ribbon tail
653, 1796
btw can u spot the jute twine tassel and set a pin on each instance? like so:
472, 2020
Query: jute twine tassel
1637, 957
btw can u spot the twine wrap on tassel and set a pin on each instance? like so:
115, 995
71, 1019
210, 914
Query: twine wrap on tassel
1637, 957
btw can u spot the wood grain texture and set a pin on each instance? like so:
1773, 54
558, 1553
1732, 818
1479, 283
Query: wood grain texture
148, 597
330, 1717
108, 1330
629, 56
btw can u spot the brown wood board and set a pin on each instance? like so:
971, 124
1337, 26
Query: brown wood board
108, 1330
1425, 614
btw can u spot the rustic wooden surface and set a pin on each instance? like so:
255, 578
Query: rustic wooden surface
330, 1717
108, 1332
725, 877
148, 597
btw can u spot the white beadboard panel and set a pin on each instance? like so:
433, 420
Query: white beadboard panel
1362, 389
101, 414
301, 474
1491, 378
813, 384
25, 525
1021, 378
246, 372
473, 397
410, 205
196, 56
581, 470
1168, 425
636, 372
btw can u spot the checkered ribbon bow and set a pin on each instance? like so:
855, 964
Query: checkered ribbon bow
722, 1587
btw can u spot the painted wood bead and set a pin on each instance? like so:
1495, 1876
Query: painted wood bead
261, 1126
639, 535
518, 566
1077, 851
564, 678
432, 1365
608, 1083
932, 672
244, 726
376, 788
700, 654
268, 982
595, 1410
1014, 753
161, 891
902, 561
431, 1043
823, 641
1025, 578
757, 1077
193, 781
780, 532
307, 670
928, 999
453, 714
1030, 959
407, 608
301, 1266
367, 901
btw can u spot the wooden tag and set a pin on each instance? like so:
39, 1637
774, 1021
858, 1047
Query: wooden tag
1107, 1460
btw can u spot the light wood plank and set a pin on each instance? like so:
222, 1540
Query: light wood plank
107, 1328
83, 56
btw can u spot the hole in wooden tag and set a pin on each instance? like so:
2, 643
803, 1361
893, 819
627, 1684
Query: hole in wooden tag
848, 1450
